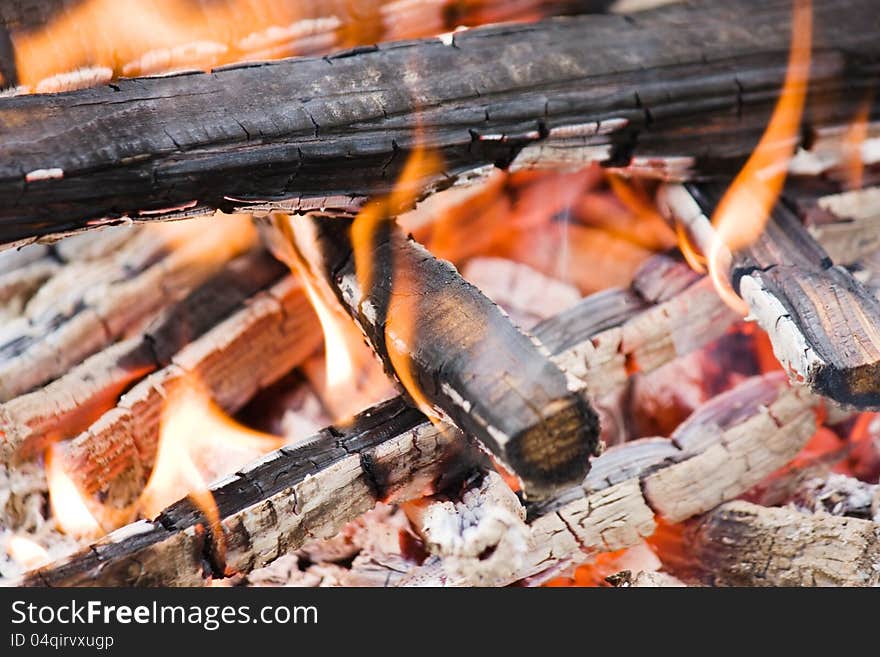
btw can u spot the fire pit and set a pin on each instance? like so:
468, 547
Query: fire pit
548, 293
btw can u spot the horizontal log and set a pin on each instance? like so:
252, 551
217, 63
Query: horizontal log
69, 404
821, 321
743, 544
456, 354
239, 138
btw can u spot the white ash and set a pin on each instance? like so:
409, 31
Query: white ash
367, 552
839, 495
525, 294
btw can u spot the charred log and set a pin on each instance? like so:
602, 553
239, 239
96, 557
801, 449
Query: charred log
821, 320
456, 354
239, 137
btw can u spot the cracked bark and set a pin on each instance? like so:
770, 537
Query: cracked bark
69, 404
822, 322
513, 86
457, 356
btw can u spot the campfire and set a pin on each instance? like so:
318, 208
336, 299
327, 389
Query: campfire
446, 293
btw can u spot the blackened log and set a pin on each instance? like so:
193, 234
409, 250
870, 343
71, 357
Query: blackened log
456, 354
271, 30
328, 132
823, 323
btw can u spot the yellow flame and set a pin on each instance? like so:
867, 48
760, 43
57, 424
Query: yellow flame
68, 504
26, 552
742, 214
198, 442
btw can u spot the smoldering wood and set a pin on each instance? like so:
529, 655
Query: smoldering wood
265, 518
91, 302
822, 322
727, 446
456, 354
239, 138
66, 406
743, 544
280, 29
273, 333
846, 224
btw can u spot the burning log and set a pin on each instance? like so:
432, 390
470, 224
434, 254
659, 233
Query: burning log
274, 332
743, 544
457, 356
57, 41
152, 148
821, 321
67, 405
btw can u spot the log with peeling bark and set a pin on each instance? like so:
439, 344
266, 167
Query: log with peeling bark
66, 406
456, 354
152, 148
822, 322
726, 447
392, 453
743, 544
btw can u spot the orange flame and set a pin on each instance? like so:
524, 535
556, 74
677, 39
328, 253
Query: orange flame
198, 442
855, 137
402, 310
25, 552
68, 504
742, 214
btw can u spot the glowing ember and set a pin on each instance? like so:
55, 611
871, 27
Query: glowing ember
69, 508
743, 211
25, 552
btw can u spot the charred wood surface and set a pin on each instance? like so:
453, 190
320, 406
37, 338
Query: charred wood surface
824, 324
456, 354
743, 544
391, 453
327, 132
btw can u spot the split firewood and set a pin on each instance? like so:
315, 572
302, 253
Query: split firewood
455, 353
743, 544
273, 333
600, 341
725, 448
90, 303
66, 406
109, 454
821, 321
181, 145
